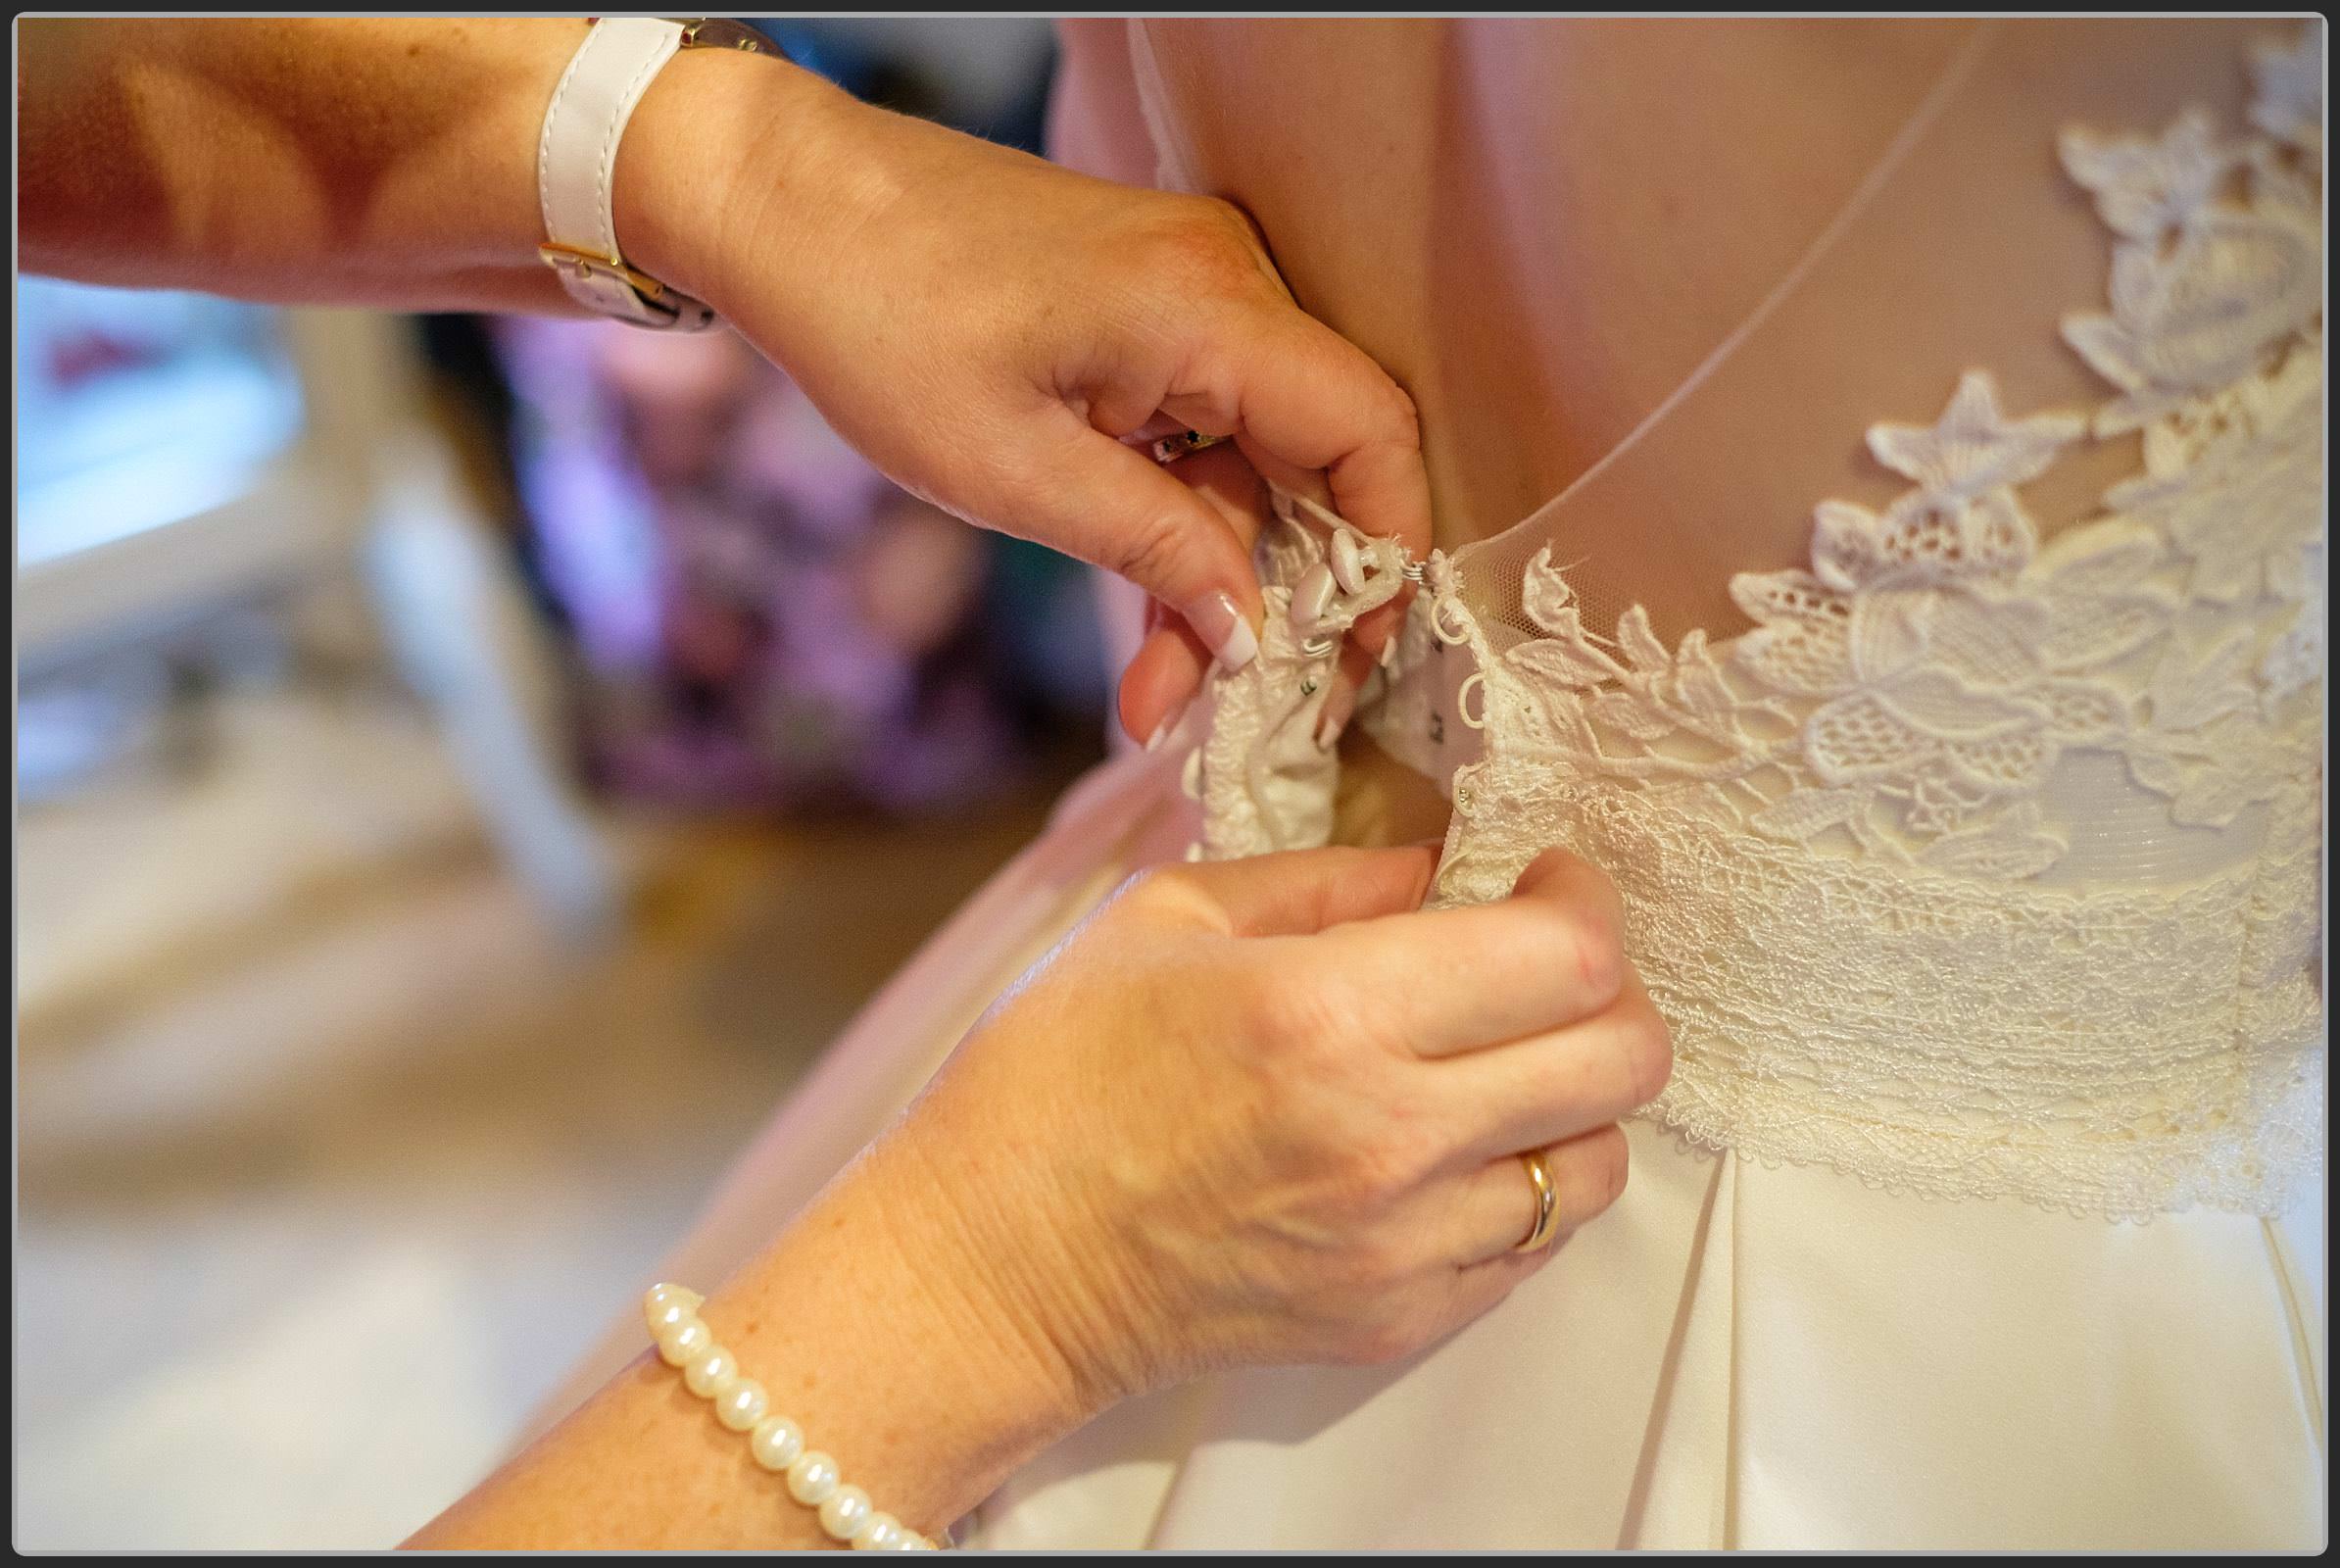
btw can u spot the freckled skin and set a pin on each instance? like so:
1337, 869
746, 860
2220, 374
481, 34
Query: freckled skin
1507, 217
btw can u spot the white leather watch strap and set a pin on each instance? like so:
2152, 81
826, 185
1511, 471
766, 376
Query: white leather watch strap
576, 161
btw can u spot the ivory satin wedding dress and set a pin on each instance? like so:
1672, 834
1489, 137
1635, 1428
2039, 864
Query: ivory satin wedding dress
1978, 875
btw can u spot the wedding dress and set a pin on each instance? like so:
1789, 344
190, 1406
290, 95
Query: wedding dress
1978, 878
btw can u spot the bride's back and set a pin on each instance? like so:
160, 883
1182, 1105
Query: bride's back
1541, 227
1877, 467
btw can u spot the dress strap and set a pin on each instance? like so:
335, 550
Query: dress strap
1174, 167
1945, 88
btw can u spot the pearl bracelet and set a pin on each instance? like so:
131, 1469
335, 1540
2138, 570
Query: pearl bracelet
777, 1442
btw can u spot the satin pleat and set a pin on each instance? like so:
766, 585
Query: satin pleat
1734, 1356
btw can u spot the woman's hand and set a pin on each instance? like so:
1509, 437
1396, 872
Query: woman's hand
1252, 1113
1269, 1111
988, 327
984, 325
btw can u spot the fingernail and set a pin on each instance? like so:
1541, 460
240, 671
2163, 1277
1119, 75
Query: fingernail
1339, 703
1224, 630
1171, 720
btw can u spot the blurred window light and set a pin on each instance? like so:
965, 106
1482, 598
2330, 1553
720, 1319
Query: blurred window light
139, 409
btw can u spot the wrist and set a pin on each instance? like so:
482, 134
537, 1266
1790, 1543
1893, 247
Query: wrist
718, 137
873, 1323
1032, 1259
995, 1297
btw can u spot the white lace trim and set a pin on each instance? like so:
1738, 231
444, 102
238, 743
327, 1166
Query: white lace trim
1845, 836
2118, 1051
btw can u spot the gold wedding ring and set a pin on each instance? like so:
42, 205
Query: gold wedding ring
1548, 1202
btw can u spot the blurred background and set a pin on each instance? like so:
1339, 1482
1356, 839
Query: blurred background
466, 770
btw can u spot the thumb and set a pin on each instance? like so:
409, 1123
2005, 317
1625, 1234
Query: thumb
1301, 892
1116, 508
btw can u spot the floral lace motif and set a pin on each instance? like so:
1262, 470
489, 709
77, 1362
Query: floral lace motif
2116, 1052
1914, 690
1847, 838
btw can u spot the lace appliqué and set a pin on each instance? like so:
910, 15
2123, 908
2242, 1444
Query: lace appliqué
1912, 691
1835, 830
1843, 836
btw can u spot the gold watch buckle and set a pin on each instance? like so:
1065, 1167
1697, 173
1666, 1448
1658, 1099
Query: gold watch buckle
585, 264
722, 32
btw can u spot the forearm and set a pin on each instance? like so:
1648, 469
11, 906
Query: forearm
867, 1324
362, 162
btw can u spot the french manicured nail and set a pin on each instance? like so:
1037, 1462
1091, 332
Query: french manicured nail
1224, 630
1339, 704
1170, 722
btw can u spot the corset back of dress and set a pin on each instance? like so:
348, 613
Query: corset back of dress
1974, 862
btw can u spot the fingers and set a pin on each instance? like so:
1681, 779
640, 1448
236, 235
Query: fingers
1375, 629
1490, 1209
1221, 476
1545, 957
1301, 892
1493, 1208
1301, 398
1115, 507
1300, 401
1303, 401
1562, 875
1168, 667
1161, 678
1554, 1087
